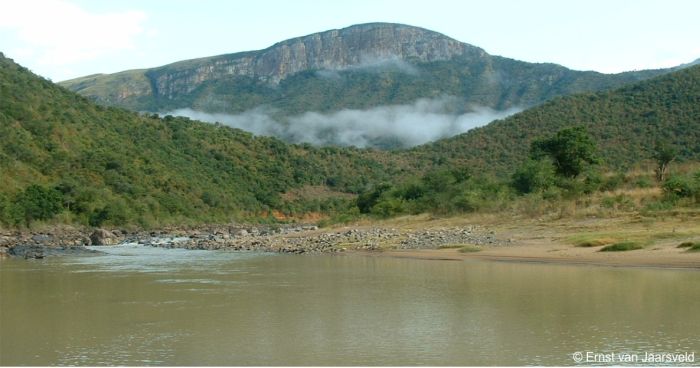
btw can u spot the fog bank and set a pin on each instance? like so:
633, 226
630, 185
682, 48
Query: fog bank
384, 126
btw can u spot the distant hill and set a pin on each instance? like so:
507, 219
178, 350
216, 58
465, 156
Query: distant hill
357, 67
626, 123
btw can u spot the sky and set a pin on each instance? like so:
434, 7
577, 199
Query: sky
63, 39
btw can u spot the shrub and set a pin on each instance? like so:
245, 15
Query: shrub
621, 247
114, 213
593, 243
533, 176
389, 207
367, 200
613, 182
680, 186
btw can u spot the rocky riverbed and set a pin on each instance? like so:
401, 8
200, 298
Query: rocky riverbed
296, 239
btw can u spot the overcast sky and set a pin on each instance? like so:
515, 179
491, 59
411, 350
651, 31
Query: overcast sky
62, 39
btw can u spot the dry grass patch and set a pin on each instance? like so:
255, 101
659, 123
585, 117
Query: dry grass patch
469, 249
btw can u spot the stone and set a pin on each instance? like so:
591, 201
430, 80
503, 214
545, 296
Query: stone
103, 237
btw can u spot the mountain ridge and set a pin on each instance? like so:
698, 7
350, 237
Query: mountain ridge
356, 67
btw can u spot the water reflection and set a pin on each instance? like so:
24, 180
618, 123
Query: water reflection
142, 306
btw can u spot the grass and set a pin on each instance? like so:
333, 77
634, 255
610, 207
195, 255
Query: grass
622, 247
469, 249
451, 246
598, 242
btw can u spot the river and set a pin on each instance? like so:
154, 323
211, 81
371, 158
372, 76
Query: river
150, 306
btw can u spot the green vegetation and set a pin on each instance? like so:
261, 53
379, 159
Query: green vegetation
692, 246
622, 247
663, 155
67, 160
570, 150
593, 243
625, 124
682, 186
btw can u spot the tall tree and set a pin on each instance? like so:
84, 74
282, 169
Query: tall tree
664, 154
571, 150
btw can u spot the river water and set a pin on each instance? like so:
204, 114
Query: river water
151, 306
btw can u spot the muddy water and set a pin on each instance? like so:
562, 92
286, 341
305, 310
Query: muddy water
149, 306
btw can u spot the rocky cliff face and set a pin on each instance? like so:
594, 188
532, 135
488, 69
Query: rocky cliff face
337, 49
358, 67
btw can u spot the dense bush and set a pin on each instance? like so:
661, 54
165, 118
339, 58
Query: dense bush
682, 186
533, 176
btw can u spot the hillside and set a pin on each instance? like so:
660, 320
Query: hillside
626, 123
108, 165
357, 67
105, 165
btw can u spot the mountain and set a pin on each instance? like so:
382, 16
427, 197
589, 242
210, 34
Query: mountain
109, 165
626, 123
357, 67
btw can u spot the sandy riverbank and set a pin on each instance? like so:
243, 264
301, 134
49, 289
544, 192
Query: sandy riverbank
660, 258
555, 241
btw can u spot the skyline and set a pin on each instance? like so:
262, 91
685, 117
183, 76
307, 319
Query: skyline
68, 39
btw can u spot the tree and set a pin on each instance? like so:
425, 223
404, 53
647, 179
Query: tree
37, 203
571, 150
664, 154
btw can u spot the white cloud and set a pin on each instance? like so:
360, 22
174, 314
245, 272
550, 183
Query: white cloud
57, 32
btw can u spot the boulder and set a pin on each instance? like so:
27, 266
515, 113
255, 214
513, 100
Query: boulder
103, 237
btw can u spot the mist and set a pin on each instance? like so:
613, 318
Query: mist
372, 64
396, 126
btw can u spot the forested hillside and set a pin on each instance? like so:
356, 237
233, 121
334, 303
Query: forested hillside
625, 123
64, 158
108, 165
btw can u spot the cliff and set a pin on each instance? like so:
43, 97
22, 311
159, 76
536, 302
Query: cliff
355, 67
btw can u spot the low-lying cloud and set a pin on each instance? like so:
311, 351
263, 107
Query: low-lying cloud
372, 64
384, 126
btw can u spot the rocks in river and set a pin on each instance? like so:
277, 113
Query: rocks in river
104, 237
297, 239
33, 251
308, 239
